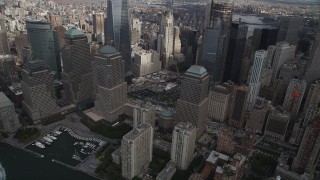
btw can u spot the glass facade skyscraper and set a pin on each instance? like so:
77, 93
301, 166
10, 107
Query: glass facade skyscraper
44, 44
117, 29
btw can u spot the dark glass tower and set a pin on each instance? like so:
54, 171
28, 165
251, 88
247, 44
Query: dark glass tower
235, 52
118, 29
216, 39
44, 44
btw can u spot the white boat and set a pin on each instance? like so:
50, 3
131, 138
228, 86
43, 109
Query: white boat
39, 144
57, 132
51, 137
44, 141
47, 139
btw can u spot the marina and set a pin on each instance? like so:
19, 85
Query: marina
19, 164
65, 146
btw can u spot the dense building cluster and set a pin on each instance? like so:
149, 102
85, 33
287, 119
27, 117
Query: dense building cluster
225, 96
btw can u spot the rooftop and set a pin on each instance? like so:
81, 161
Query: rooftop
168, 171
197, 70
214, 156
166, 113
136, 132
108, 50
185, 126
4, 100
74, 32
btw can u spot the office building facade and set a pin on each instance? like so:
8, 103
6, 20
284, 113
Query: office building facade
192, 106
38, 90
144, 112
9, 120
277, 124
220, 98
294, 96
183, 144
136, 151
44, 44
76, 59
110, 90
254, 82
239, 106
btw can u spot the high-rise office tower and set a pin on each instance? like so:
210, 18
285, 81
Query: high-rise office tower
125, 37
144, 112
308, 154
239, 106
167, 32
108, 83
38, 89
258, 116
216, 39
4, 46
9, 120
220, 97
44, 44
292, 69
192, 106
76, 59
8, 72
289, 29
294, 96
235, 54
183, 144
254, 83
263, 38
283, 52
313, 98
176, 41
136, 151
98, 23
277, 124
55, 20
312, 71
117, 29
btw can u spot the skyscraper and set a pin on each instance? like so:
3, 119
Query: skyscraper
277, 124
183, 144
98, 23
38, 89
9, 120
308, 154
108, 83
167, 40
294, 96
220, 98
238, 106
117, 31
192, 106
235, 53
136, 151
144, 112
76, 59
4, 46
254, 83
289, 29
44, 44
216, 39
312, 71
313, 98
278, 55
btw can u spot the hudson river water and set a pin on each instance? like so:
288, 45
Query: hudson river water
21, 165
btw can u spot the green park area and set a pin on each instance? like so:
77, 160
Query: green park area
159, 160
28, 134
